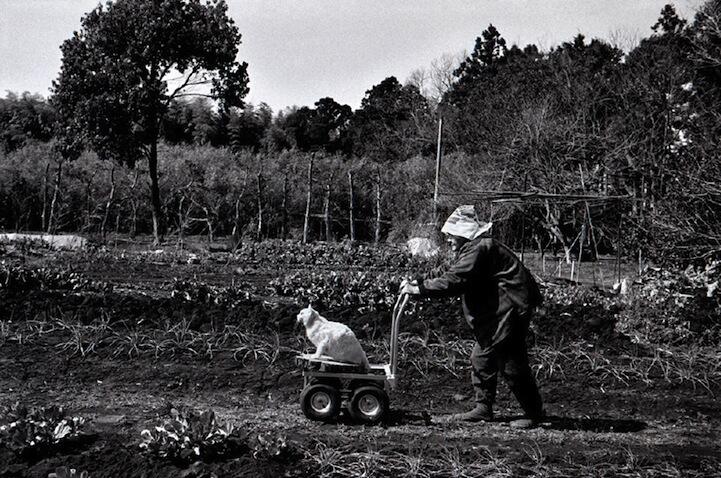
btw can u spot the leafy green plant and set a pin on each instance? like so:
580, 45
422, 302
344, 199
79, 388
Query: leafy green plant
201, 293
24, 429
189, 436
65, 472
191, 291
364, 290
269, 446
20, 279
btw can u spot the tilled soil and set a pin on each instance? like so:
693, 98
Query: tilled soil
587, 422
595, 427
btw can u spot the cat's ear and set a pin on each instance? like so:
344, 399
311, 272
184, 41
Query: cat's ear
310, 307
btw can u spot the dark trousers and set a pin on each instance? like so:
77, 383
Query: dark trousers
509, 358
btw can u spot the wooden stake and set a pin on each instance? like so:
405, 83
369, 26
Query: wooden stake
259, 185
235, 233
134, 205
378, 206
181, 220
209, 224
45, 196
523, 223
580, 251
351, 206
326, 210
306, 221
618, 249
53, 222
109, 204
117, 228
284, 208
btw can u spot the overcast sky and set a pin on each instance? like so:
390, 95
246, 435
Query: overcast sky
301, 50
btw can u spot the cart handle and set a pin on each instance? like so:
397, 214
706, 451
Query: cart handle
395, 325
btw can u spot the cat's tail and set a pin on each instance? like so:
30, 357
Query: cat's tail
365, 363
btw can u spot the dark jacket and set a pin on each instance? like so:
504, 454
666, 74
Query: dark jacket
497, 289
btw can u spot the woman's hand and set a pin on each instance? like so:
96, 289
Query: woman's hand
409, 287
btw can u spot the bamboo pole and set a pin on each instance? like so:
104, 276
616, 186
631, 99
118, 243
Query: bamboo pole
438, 171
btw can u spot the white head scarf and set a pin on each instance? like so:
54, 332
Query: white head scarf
463, 222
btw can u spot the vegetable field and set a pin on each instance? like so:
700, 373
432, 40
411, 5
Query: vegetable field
143, 361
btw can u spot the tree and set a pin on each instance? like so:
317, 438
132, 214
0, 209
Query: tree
488, 52
669, 22
329, 124
24, 118
393, 123
115, 84
279, 135
247, 127
435, 81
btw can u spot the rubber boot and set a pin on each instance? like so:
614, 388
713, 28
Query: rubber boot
528, 422
482, 413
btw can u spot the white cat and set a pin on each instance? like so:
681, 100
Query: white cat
332, 339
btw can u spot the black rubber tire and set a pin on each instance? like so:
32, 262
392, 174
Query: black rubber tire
368, 405
320, 402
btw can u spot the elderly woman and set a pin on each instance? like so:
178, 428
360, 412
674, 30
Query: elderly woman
499, 297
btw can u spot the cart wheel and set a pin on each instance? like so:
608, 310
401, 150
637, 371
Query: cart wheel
320, 402
369, 404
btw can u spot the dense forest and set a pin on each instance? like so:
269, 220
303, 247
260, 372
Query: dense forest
614, 146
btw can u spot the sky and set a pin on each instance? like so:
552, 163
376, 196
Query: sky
299, 51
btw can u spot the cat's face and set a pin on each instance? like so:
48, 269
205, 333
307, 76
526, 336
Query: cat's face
306, 316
